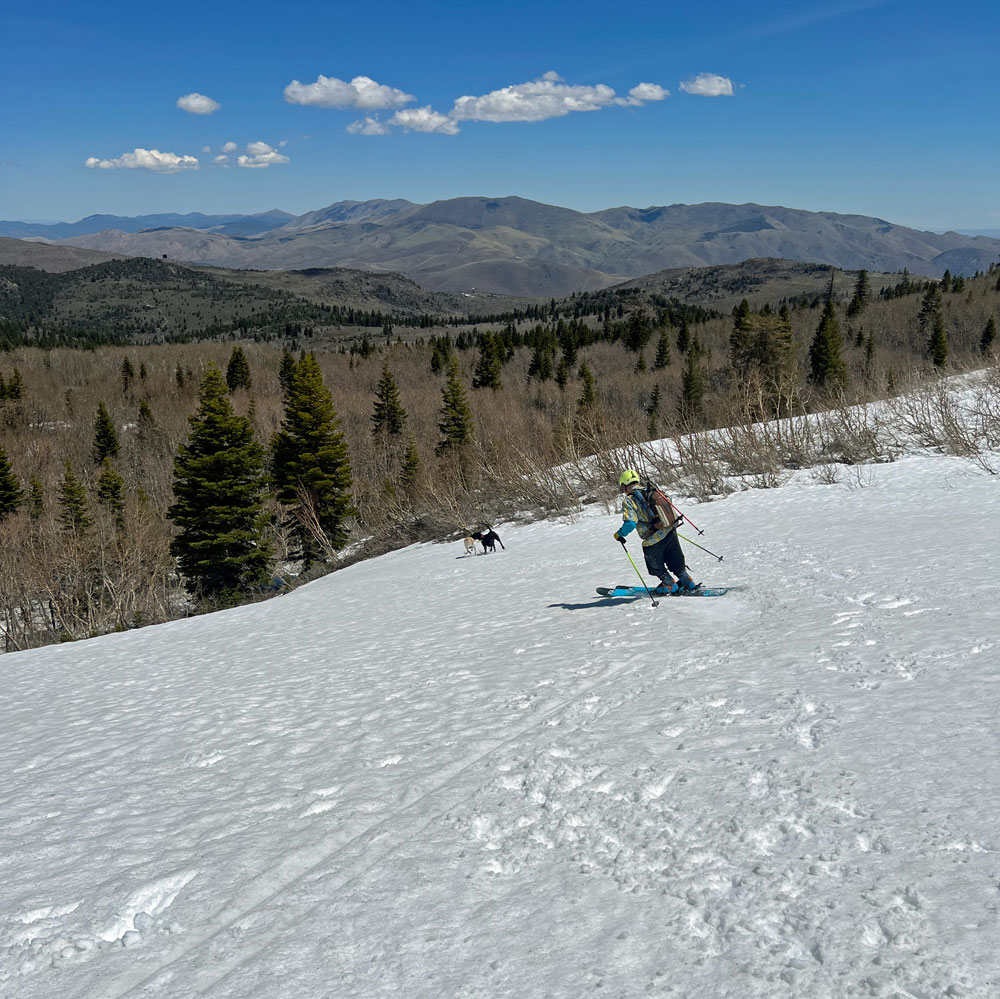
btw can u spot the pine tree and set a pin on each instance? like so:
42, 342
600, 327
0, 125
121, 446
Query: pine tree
683, 337
587, 400
862, 295
286, 370
179, 376
488, 367
692, 386
454, 418
388, 415
662, 359
219, 486
11, 494
653, 411
127, 373
111, 492
73, 515
15, 387
36, 498
637, 331
741, 348
826, 365
105, 439
989, 335
310, 462
937, 346
238, 371
410, 467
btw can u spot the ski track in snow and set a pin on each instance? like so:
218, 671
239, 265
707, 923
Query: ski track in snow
426, 778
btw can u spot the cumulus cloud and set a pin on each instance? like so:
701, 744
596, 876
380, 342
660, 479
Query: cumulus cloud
708, 85
368, 126
549, 97
362, 93
221, 160
197, 104
643, 92
229, 147
424, 119
145, 159
260, 155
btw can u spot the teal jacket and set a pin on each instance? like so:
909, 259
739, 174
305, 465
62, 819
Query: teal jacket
637, 515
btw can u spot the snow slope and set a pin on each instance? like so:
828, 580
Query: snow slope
428, 776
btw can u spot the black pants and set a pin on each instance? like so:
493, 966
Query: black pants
665, 555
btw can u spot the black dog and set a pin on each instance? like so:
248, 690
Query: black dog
489, 540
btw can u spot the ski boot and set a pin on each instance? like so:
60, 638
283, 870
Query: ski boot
685, 582
667, 588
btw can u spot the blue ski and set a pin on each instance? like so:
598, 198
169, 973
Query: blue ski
640, 591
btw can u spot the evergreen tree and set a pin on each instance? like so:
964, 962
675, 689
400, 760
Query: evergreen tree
111, 492
540, 366
692, 386
410, 466
930, 306
637, 331
286, 370
238, 371
989, 335
219, 487
826, 365
127, 373
15, 387
3, 388
587, 400
388, 415
73, 515
11, 494
454, 418
862, 295
311, 466
36, 498
105, 439
741, 348
662, 359
683, 337
653, 411
937, 346
488, 367
143, 371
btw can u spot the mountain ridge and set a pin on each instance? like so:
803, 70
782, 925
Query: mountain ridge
515, 246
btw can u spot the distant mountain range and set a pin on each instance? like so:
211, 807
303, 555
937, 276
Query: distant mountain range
514, 246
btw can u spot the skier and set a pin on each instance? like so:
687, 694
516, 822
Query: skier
660, 547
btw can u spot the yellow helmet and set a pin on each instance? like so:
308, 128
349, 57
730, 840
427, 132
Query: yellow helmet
627, 477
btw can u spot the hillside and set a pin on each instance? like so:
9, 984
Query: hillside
518, 247
141, 300
792, 790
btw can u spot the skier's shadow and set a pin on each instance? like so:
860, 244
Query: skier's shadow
601, 602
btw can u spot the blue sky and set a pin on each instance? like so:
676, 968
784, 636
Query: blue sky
874, 107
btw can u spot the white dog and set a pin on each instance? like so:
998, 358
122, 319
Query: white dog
470, 546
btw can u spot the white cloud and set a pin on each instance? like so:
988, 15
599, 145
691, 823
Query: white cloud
708, 85
549, 97
206, 149
260, 155
145, 159
197, 104
229, 147
368, 126
424, 119
362, 93
643, 92
221, 159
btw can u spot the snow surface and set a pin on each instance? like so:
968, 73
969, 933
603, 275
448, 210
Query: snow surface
436, 776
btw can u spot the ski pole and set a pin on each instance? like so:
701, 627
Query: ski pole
687, 518
656, 603
702, 547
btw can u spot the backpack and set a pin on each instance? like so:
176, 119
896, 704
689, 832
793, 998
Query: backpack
662, 513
